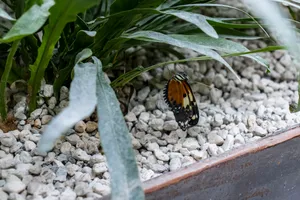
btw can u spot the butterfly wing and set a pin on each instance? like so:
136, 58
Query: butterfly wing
179, 96
191, 105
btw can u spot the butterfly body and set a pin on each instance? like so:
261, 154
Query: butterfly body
180, 98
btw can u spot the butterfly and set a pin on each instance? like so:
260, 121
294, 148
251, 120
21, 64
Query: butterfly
180, 98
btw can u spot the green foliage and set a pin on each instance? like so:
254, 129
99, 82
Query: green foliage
113, 27
61, 13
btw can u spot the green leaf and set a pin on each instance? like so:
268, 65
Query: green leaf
197, 19
223, 32
5, 15
112, 29
4, 78
61, 13
168, 4
30, 22
82, 103
81, 23
30, 3
220, 44
64, 73
84, 54
224, 24
232, 25
84, 39
61, 77
123, 5
116, 143
161, 38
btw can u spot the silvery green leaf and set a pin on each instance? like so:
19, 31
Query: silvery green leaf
162, 38
116, 143
30, 22
220, 44
82, 103
194, 18
84, 54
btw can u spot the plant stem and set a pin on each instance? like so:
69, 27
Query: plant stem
4, 78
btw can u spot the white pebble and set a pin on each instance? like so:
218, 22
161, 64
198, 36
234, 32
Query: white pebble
228, 143
175, 163
80, 127
29, 145
214, 138
130, 117
157, 124
259, 131
191, 144
198, 155
13, 184
160, 155
170, 125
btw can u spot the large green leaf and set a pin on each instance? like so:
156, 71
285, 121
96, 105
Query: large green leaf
31, 21
220, 44
61, 13
161, 38
197, 19
82, 102
116, 143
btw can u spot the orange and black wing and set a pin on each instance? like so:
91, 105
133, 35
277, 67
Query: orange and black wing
179, 96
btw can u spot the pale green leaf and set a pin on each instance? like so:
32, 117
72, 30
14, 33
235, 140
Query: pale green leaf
220, 44
82, 103
161, 38
30, 22
194, 18
116, 143
84, 54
